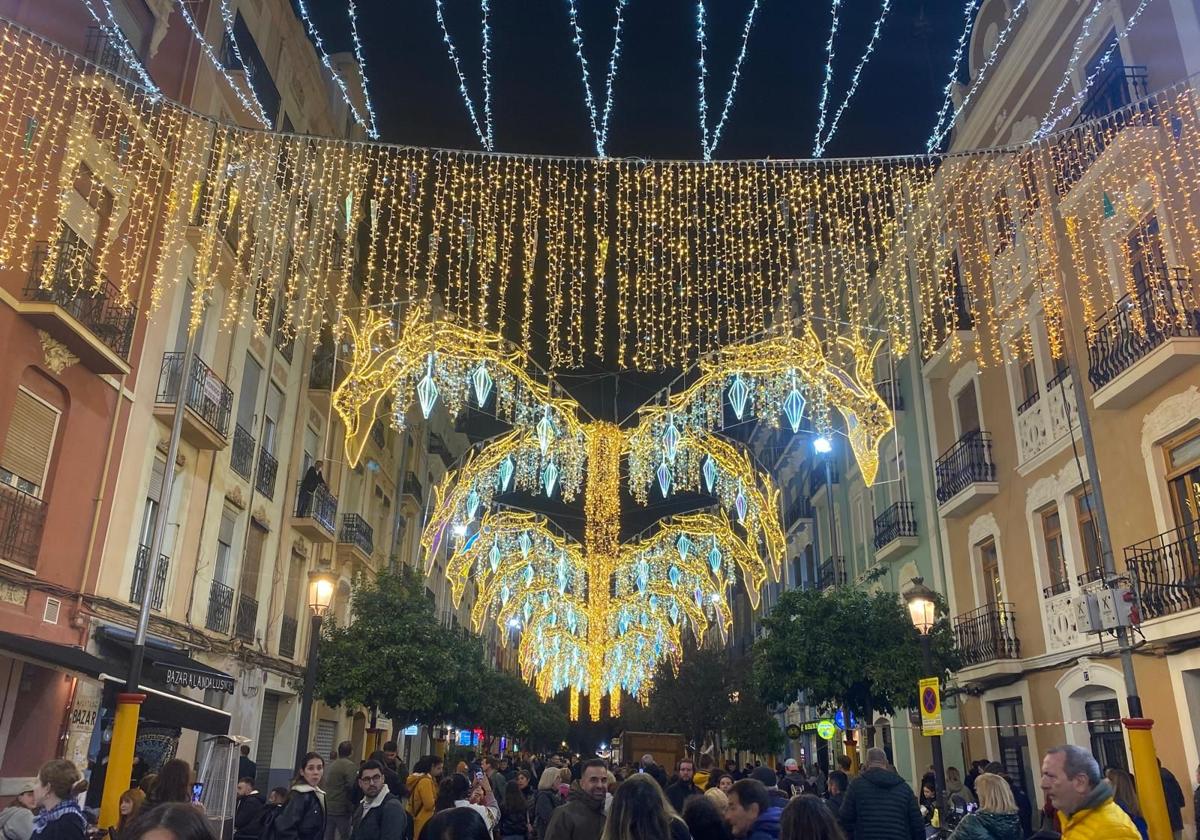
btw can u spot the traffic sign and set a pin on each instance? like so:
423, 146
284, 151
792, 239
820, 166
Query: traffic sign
930, 692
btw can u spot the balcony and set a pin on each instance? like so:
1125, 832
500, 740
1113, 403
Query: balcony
987, 634
1166, 571
966, 476
438, 447
103, 52
247, 618
22, 517
413, 489
889, 391
315, 514
1144, 341
287, 636
264, 481
141, 569
832, 572
895, 531
220, 607
241, 454
800, 511
77, 306
955, 327
208, 402
816, 478
356, 538
1116, 87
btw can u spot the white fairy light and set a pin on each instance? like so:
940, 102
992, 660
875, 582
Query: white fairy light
733, 84
372, 130
969, 15
485, 9
315, 36
252, 106
462, 79
113, 30
824, 99
1048, 123
708, 143
862, 62
228, 20
702, 41
613, 58
573, 14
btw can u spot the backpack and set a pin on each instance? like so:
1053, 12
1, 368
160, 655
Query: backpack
267, 823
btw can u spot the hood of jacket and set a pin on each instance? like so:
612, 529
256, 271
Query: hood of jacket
768, 822
1096, 798
577, 795
881, 777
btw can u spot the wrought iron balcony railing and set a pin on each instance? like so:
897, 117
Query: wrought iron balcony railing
412, 487
287, 636
103, 51
207, 394
320, 506
220, 607
1168, 308
1056, 588
987, 633
1116, 87
800, 509
895, 522
88, 296
816, 478
357, 532
966, 462
22, 517
241, 453
832, 572
1165, 569
141, 569
264, 482
889, 391
247, 618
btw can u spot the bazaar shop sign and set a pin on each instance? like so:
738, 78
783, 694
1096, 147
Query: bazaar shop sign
203, 680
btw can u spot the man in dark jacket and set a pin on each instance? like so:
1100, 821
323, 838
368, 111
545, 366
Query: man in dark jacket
380, 815
246, 766
836, 785
650, 767
793, 781
770, 781
582, 818
880, 805
308, 485
684, 787
751, 813
1175, 800
247, 814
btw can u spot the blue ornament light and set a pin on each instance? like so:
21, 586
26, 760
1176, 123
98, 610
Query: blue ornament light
739, 504
427, 389
793, 409
664, 477
472, 504
674, 575
683, 545
482, 380
738, 395
710, 473
549, 478
525, 543
545, 431
494, 555
670, 440
714, 561
506, 473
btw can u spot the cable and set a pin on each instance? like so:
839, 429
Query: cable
252, 107
337, 79
227, 19
969, 15
710, 147
116, 36
372, 131
862, 62
824, 100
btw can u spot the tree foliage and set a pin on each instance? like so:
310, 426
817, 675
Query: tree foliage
694, 699
846, 648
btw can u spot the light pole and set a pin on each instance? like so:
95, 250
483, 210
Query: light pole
922, 609
320, 597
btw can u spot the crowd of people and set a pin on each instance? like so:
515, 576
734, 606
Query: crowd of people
558, 798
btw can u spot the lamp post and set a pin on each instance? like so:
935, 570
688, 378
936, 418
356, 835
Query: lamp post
922, 609
320, 597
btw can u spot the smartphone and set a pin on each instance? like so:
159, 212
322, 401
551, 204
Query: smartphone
478, 775
197, 791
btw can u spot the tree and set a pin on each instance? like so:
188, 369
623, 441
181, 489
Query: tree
749, 724
695, 699
846, 648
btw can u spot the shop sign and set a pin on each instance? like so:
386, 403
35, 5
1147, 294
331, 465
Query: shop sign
793, 731
203, 680
827, 729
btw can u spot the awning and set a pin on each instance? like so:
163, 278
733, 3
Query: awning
173, 665
161, 706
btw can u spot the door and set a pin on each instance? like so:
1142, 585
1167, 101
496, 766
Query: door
968, 410
1014, 746
1104, 732
274, 412
989, 563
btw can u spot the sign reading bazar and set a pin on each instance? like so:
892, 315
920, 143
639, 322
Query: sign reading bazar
203, 680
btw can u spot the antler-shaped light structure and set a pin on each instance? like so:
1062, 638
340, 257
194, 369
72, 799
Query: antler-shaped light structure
597, 618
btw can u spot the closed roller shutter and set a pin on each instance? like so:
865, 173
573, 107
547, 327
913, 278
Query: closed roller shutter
30, 439
266, 740
326, 732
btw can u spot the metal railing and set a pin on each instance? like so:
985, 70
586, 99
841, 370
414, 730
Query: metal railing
987, 633
412, 487
1116, 87
800, 509
22, 517
207, 394
1166, 571
1092, 575
75, 286
1108, 110
220, 607
357, 532
1057, 588
895, 522
1058, 378
1030, 402
264, 481
287, 636
1168, 308
832, 572
320, 506
247, 618
141, 569
816, 478
102, 51
241, 453
966, 462
889, 391
320, 375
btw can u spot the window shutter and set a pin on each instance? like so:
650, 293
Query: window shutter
30, 438
157, 473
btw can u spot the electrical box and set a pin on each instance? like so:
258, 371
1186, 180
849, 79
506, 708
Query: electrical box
1087, 613
1117, 608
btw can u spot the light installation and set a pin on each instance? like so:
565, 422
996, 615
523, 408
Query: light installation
596, 618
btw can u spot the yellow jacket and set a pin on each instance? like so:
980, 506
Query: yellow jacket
422, 793
700, 779
1100, 818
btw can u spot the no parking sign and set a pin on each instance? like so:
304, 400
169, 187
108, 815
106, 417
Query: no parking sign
930, 692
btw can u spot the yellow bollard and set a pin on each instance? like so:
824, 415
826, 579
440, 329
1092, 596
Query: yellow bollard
120, 757
1149, 781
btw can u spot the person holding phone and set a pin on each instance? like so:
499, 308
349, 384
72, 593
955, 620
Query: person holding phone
175, 783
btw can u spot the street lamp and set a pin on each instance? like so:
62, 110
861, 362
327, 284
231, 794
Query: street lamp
922, 609
321, 586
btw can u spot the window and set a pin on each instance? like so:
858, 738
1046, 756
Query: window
248, 394
1183, 481
1029, 385
1104, 732
25, 458
253, 560
153, 496
1147, 258
185, 316
1089, 538
968, 410
274, 412
225, 547
1056, 558
989, 567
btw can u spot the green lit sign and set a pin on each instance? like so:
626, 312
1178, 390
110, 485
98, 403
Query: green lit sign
827, 729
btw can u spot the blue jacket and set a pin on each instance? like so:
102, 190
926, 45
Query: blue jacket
766, 827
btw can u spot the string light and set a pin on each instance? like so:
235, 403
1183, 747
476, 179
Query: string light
252, 105
598, 122
702, 75
939, 134
485, 8
116, 36
828, 76
613, 58
228, 20
480, 131
959, 50
819, 151
315, 36
711, 146
1049, 123
352, 11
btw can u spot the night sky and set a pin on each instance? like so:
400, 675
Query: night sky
538, 102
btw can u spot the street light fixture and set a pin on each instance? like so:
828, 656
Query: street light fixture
922, 609
823, 445
321, 586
